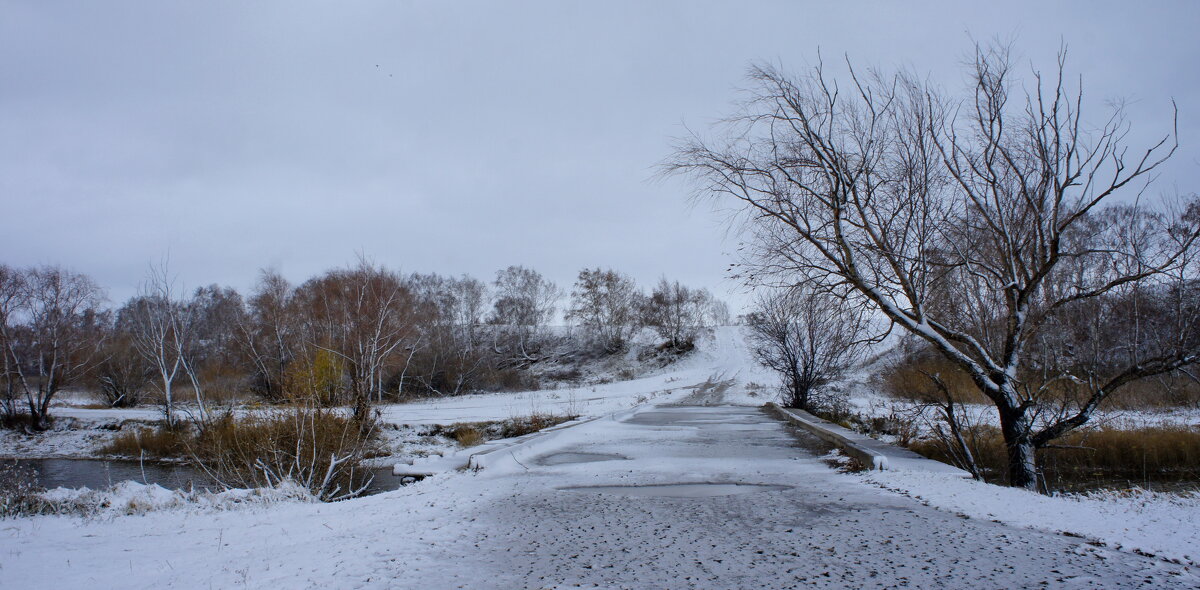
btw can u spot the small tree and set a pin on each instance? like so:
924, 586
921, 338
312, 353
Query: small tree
607, 306
525, 302
808, 338
163, 327
268, 334
678, 312
12, 301
123, 373
214, 356
50, 328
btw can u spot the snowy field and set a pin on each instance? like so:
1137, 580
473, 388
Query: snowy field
779, 518
514, 527
1161, 524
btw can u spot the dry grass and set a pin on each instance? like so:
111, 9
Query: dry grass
531, 423
1101, 457
320, 449
469, 434
908, 381
19, 491
158, 443
1163, 392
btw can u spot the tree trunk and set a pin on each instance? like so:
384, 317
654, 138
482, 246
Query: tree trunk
1022, 460
39, 412
799, 393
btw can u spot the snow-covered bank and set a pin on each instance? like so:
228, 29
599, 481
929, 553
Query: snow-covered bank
131, 498
1154, 523
71, 437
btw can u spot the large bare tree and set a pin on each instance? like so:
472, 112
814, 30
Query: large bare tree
268, 334
978, 223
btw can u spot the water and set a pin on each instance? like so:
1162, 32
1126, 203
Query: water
99, 474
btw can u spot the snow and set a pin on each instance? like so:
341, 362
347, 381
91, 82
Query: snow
513, 524
516, 527
130, 497
1165, 525
721, 356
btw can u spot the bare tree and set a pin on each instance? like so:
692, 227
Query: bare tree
123, 373
12, 300
162, 328
524, 304
808, 338
268, 334
678, 312
50, 328
974, 224
450, 356
213, 352
607, 306
362, 316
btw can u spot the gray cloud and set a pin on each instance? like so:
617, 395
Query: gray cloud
455, 137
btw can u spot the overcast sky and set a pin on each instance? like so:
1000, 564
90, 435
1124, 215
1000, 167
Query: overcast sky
458, 137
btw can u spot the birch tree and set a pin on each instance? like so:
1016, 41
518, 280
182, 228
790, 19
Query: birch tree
50, 329
12, 299
975, 222
162, 329
607, 305
524, 303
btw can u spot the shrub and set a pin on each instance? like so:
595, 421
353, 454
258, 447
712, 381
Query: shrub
531, 423
516, 380
319, 378
320, 449
161, 443
468, 435
19, 493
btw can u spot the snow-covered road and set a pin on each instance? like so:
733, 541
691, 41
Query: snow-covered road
532, 526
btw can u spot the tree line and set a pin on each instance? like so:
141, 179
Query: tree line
349, 336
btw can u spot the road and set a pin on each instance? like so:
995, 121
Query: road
822, 530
